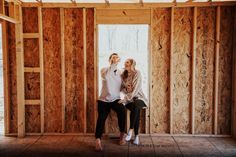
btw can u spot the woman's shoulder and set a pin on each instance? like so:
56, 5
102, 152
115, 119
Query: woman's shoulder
137, 72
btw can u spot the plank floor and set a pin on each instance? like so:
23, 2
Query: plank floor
150, 146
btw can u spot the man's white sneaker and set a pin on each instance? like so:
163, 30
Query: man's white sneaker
136, 140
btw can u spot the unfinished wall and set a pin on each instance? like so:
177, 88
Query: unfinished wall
225, 70
206, 18
160, 59
71, 44
74, 70
52, 70
182, 55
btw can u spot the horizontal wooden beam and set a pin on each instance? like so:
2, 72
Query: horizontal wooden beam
128, 5
31, 35
123, 16
32, 102
8, 19
29, 69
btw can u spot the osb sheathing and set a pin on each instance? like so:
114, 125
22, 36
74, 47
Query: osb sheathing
90, 70
32, 85
52, 70
31, 52
12, 77
32, 118
225, 70
74, 70
205, 54
30, 20
183, 18
160, 74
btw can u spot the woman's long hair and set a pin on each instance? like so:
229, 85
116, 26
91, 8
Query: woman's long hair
125, 72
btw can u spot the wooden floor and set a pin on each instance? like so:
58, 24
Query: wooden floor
72, 146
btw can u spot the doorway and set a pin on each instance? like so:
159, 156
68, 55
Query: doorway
129, 41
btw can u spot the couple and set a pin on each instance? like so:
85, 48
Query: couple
129, 82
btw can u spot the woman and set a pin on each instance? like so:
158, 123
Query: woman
134, 98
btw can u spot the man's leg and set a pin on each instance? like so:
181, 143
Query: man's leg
103, 111
121, 114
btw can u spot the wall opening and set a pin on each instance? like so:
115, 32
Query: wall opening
1, 86
129, 41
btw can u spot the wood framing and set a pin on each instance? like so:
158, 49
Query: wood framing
194, 32
124, 16
217, 49
40, 26
128, 5
171, 67
20, 74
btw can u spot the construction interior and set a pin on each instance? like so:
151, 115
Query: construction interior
50, 73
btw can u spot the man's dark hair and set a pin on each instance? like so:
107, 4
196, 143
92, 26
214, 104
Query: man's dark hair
112, 55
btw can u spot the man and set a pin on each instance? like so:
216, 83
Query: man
110, 95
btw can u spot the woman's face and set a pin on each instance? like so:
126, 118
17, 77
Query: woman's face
127, 64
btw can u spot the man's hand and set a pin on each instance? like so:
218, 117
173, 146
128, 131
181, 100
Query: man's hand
122, 101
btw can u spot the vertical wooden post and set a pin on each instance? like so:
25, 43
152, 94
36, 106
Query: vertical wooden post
12, 10
85, 67
217, 49
171, 67
2, 7
193, 68
233, 122
63, 68
20, 73
150, 72
41, 68
95, 68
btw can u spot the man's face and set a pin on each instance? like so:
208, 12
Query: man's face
115, 59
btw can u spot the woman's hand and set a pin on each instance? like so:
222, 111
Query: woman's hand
122, 101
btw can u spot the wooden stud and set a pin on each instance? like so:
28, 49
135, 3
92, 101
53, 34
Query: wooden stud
32, 102
193, 68
9, 19
6, 78
217, 49
30, 69
20, 74
171, 68
40, 26
85, 67
129, 5
95, 67
31, 35
150, 70
63, 69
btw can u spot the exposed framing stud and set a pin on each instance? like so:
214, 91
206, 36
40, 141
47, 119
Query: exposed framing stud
63, 68
40, 26
217, 49
20, 74
171, 68
95, 67
85, 76
194, 35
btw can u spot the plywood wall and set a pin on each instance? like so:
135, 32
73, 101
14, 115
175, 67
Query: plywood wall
225, 69
70, 71
74, 70
160, 74
182, 56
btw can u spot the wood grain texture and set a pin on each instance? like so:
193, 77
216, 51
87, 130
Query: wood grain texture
12, 77
52, 70
90, 62
205, 70
30, 19
32, 118
31, 52
32, 85
160, 38
74, 71
225, 70
183, 18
